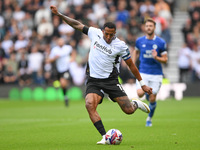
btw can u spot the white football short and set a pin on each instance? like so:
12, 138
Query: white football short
153, 81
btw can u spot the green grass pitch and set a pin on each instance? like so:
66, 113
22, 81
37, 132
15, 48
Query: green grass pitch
52, 126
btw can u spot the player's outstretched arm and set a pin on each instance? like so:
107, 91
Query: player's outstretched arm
72, 22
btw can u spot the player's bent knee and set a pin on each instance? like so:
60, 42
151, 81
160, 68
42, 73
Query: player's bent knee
140, 93
89, 105
152, 98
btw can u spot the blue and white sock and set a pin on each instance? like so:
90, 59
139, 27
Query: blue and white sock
152, 107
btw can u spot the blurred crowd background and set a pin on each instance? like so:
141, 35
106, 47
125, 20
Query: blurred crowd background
28, 32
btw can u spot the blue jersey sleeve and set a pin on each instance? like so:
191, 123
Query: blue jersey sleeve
137, 45
163, 46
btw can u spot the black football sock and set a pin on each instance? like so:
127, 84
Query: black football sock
65, 96
99, 126
64, 91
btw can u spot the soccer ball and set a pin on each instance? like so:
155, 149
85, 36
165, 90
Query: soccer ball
114, 137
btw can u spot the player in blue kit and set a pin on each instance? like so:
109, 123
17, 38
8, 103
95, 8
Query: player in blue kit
151, 51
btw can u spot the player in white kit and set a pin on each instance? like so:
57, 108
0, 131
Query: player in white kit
106, 51
62, 54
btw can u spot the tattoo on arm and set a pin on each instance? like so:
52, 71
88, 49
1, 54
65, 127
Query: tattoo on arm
72, 22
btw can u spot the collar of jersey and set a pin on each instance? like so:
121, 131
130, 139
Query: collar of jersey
153, 37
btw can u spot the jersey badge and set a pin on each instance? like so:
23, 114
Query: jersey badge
155, 46
144, 45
